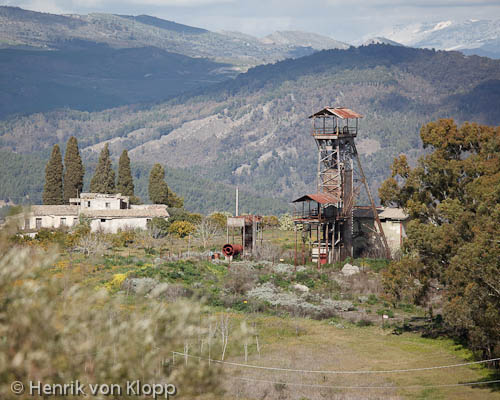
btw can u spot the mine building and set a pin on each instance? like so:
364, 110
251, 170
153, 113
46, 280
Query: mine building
105, 212
326, 218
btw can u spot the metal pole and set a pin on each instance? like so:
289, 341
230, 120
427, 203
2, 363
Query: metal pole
372, 203
295, 258
237, 201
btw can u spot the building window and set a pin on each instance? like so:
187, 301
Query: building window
63, 221
75, 221
26, 223
88, 203
38, 223
108, 205
103, 219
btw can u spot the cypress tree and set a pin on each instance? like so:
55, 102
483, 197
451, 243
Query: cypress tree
125, 184
74, 171
103, 180
159, 192
53, 188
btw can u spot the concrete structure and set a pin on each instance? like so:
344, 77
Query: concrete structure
365, 232
394, 221
105, 212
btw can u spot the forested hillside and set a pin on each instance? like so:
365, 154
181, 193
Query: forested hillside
253, 131
23, 28
99, 61
22, 178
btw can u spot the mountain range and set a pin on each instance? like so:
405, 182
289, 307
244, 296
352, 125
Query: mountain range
479, 37
253, 131
171, 93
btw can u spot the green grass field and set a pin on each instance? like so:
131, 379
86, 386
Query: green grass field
280, 338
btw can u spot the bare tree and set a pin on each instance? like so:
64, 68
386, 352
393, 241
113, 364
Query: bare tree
207, 230
91, 243
224, 332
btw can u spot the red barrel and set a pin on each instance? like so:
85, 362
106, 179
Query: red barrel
323, 258
232, 249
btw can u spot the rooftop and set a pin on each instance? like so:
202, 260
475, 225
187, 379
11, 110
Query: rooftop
102, 196
339, 112
321, 198
393, 213
54, 210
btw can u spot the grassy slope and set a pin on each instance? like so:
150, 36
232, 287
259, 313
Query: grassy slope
299, 343
319, 346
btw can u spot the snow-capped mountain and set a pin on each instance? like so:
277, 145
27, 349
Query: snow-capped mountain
480, 37
304, 39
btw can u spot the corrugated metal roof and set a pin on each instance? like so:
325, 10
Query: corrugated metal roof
340, 112
321, 198
393, 213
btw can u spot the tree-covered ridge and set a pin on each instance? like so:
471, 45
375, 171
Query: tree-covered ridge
22, 28
91, 77
453, 197
22, 178
254, 131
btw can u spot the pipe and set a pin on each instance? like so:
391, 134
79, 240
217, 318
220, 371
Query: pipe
232, 249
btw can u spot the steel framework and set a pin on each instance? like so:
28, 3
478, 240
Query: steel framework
334, 130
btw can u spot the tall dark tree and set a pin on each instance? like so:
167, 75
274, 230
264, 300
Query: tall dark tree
53, 188
125, 184
103, 180
159, 192
73, 170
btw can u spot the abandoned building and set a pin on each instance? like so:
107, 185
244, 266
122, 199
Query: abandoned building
246, 231
366, 241
327, 218
106, 212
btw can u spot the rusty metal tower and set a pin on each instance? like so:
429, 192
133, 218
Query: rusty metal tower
338, 183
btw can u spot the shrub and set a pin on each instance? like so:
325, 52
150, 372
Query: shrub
239, 280
386, 311
182, 228
44, 320
286, 223
158, 227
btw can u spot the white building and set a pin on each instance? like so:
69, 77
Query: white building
106, 212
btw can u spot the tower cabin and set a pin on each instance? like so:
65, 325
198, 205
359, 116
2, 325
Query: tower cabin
333, 122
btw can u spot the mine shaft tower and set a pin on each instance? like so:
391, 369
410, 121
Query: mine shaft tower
329, 212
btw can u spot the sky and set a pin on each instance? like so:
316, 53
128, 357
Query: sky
346, 20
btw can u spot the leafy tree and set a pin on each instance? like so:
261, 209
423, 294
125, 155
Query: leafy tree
182, 228
103, 180
53, 189
125, 183
159, 192
220, 219
74, 170
453, 197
